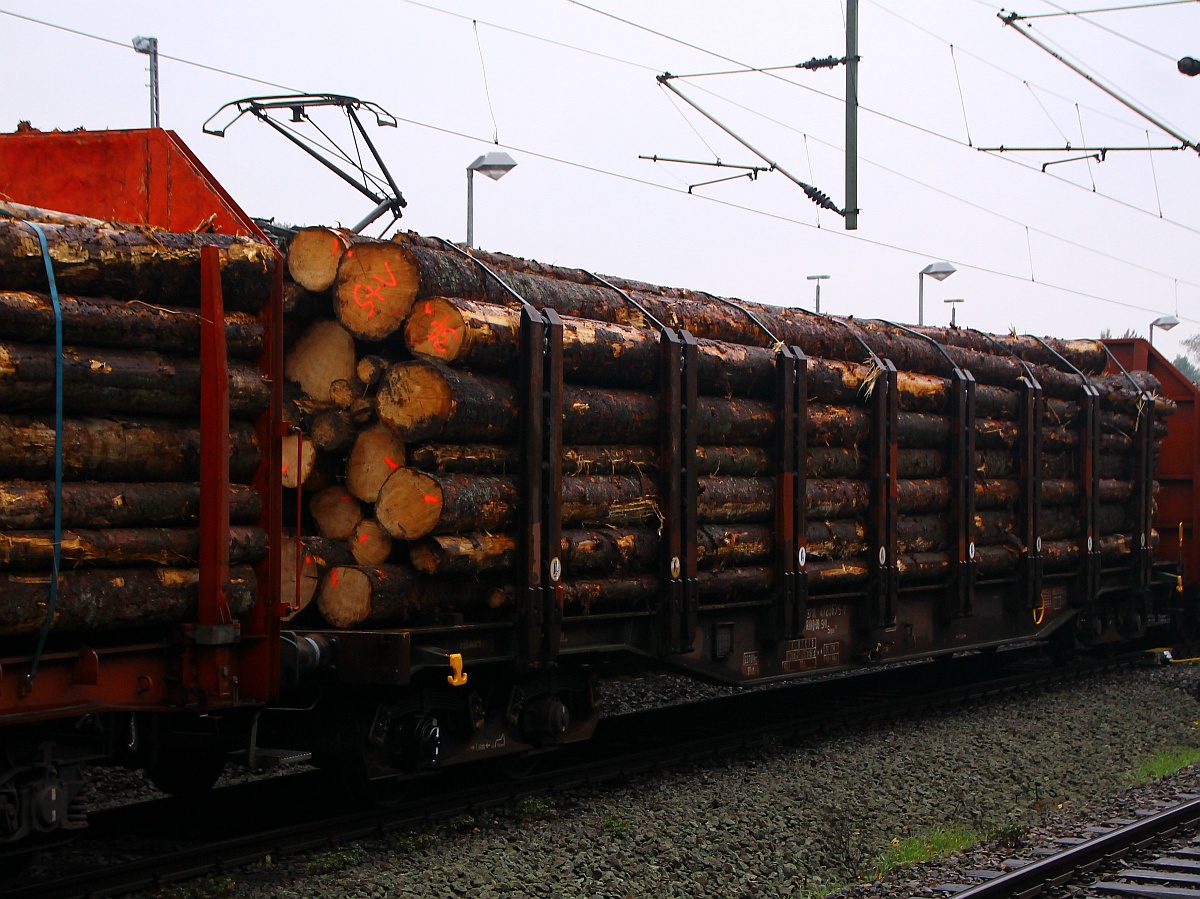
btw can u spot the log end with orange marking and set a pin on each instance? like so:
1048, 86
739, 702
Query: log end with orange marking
375, 289
409, 505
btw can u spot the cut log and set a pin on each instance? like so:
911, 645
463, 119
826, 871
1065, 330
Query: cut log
434, 272
117, 547
298, 576
374, 289
314, 254
96, 322
116, 450
322, 355
29, 505
332, 430
299, 455
52, 216
370, 543
370, 369
376, 453
135, 263
335, 512
300, 305
131, 382
96, 600
355, 596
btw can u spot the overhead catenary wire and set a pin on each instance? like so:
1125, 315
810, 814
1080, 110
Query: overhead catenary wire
644, 182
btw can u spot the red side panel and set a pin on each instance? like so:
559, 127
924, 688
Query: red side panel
150, 177
147, 176
1179, 464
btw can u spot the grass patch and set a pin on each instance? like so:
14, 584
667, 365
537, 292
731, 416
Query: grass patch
937, 843
614, 825
1165, 764
534, 808
334, 860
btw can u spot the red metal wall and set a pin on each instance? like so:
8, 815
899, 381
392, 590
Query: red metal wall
147, 176
1178, 475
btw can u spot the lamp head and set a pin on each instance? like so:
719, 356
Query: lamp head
145, 44
495, 165
939, 270
1165, 322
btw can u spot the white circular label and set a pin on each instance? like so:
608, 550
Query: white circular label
883, 555
802, 556
555, 569
1089, 544
971, 549
1142, 540
1038, 544
676, 566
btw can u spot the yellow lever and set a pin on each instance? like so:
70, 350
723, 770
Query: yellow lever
458, 678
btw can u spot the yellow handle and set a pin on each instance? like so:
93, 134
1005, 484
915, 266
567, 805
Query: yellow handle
458, 678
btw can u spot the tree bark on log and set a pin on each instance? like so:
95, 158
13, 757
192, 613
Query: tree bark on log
116, 450
131, 382
115, 547
29, 505
359, 595
135, 263
430, 271
95, 599
100, 322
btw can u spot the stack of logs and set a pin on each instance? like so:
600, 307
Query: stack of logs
129, 298
401, 368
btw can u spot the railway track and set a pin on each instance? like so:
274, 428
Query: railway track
1155, 857
190, 847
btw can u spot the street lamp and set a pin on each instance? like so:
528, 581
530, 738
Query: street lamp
1163, 323
495, 165
149, 46
818, 279
938, 270
954, 308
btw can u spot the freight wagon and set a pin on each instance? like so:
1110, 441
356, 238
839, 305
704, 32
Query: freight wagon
394, 505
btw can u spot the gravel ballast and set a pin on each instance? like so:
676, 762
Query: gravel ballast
790, 820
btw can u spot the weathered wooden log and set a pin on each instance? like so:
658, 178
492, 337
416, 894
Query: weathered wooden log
314, 253
370, 369
323, 354
426, 270
430, 401
101, 322
484, 337
52, 216
116, 547
131, 382
336, 512
116, 450
370, 543
354, 596
1089, 356
103, 599
135, 263
301, 305
29, 505
376, 453
332, 430
299, 455
303, 563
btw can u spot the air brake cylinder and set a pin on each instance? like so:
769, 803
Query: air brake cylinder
545, 718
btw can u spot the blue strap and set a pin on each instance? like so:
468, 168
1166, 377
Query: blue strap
52, 602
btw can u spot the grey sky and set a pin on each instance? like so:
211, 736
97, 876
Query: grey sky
1107, 245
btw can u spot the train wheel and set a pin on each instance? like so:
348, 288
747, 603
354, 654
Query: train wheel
187, 773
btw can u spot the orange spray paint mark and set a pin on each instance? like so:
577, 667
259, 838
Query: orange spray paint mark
428, 308
333, 578
392, 465
285, 469
362, 538
432, 500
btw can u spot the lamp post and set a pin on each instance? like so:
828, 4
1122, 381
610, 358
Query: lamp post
1163, 323
149, 46
495, 165
818, 279
938, 270
954, 308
